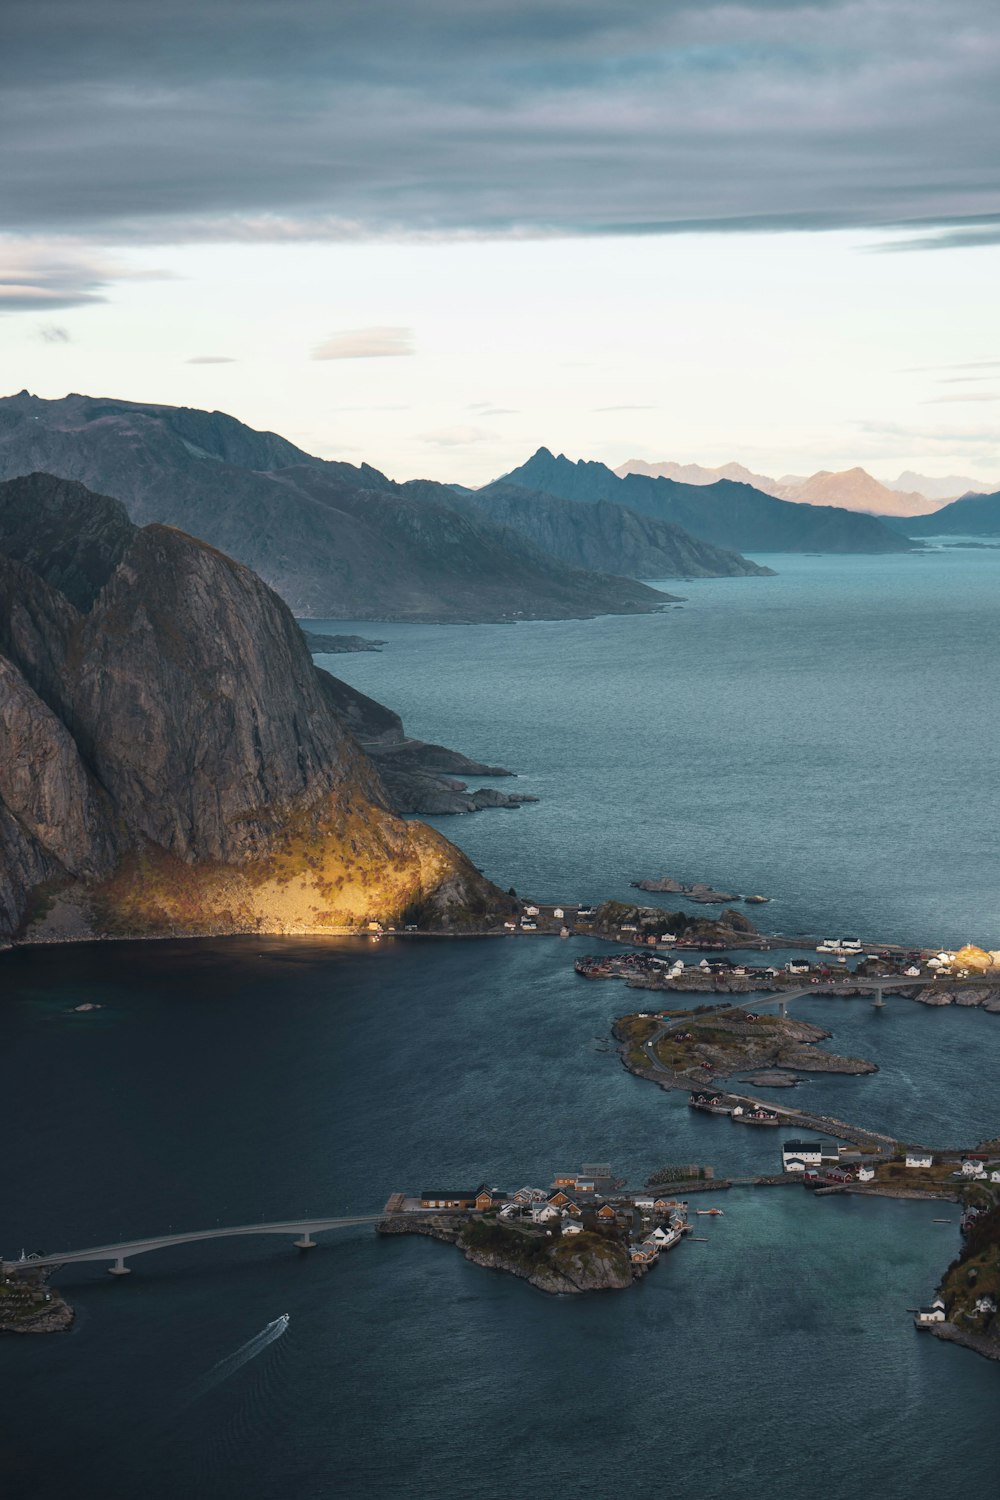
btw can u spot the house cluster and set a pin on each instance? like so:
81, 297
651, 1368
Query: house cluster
965, 962
551, 918
576, 1201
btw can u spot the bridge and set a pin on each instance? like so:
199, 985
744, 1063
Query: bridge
304, 1229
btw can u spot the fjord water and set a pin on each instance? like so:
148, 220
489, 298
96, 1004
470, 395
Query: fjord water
254, 1079
827, 737
259, 1078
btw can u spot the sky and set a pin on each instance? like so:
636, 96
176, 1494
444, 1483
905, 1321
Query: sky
435, 234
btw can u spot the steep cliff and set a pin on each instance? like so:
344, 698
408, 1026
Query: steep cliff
172, 761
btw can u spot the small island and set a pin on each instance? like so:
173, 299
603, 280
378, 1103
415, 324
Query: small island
697, 891
692, 1047
585, 1233
29, 1305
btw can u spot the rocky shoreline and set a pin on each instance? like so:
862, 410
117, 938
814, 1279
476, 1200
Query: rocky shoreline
585, 1263
979, 1343
29, 1304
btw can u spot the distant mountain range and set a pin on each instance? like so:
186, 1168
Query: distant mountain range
591, 535
726, 513
339, 541
973, 515
850, 489
335, 541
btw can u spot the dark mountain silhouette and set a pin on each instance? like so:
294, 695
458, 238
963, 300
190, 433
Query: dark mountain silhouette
334, 540
972, 515
598, 534
727, 514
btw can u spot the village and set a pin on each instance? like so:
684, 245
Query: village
585, 1203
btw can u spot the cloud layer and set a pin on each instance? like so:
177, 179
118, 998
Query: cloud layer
248, 120
365, 343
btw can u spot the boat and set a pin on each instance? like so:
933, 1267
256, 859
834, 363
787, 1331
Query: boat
712, 1213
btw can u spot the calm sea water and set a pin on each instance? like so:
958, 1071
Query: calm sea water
827, 737
250, 1078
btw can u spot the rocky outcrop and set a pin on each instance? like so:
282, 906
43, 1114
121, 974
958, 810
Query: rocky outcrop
614, 917
29, 1304
338, 645
418, 777
172, 761
585, 1262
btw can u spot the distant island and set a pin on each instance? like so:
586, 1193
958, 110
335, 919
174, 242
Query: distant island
697, 892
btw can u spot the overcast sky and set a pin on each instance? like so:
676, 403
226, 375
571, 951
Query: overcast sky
436, 233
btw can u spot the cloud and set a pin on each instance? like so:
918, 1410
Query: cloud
366, 343
965, 396
244, 120
36, 277
626, 407
459, 436
210, 359
54, 333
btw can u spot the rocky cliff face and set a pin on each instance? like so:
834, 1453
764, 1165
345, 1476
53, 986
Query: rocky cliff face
172, 761
335, 541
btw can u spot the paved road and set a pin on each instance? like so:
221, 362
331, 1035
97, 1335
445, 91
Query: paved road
803, 1118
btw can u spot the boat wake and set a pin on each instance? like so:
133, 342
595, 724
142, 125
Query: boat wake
243, 1355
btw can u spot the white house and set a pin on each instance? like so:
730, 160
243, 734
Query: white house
865, 1173
932, 1314
558, 913
797, 1155
531, 911
985, 1305
912, 972
572, 1226
973, 1169
797, 966
646, 1203
544, 1213
919, 1159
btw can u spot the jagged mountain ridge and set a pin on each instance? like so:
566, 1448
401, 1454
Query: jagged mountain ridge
726, 514
337, 542
849, 489
173, 761
972, 515
589, 534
